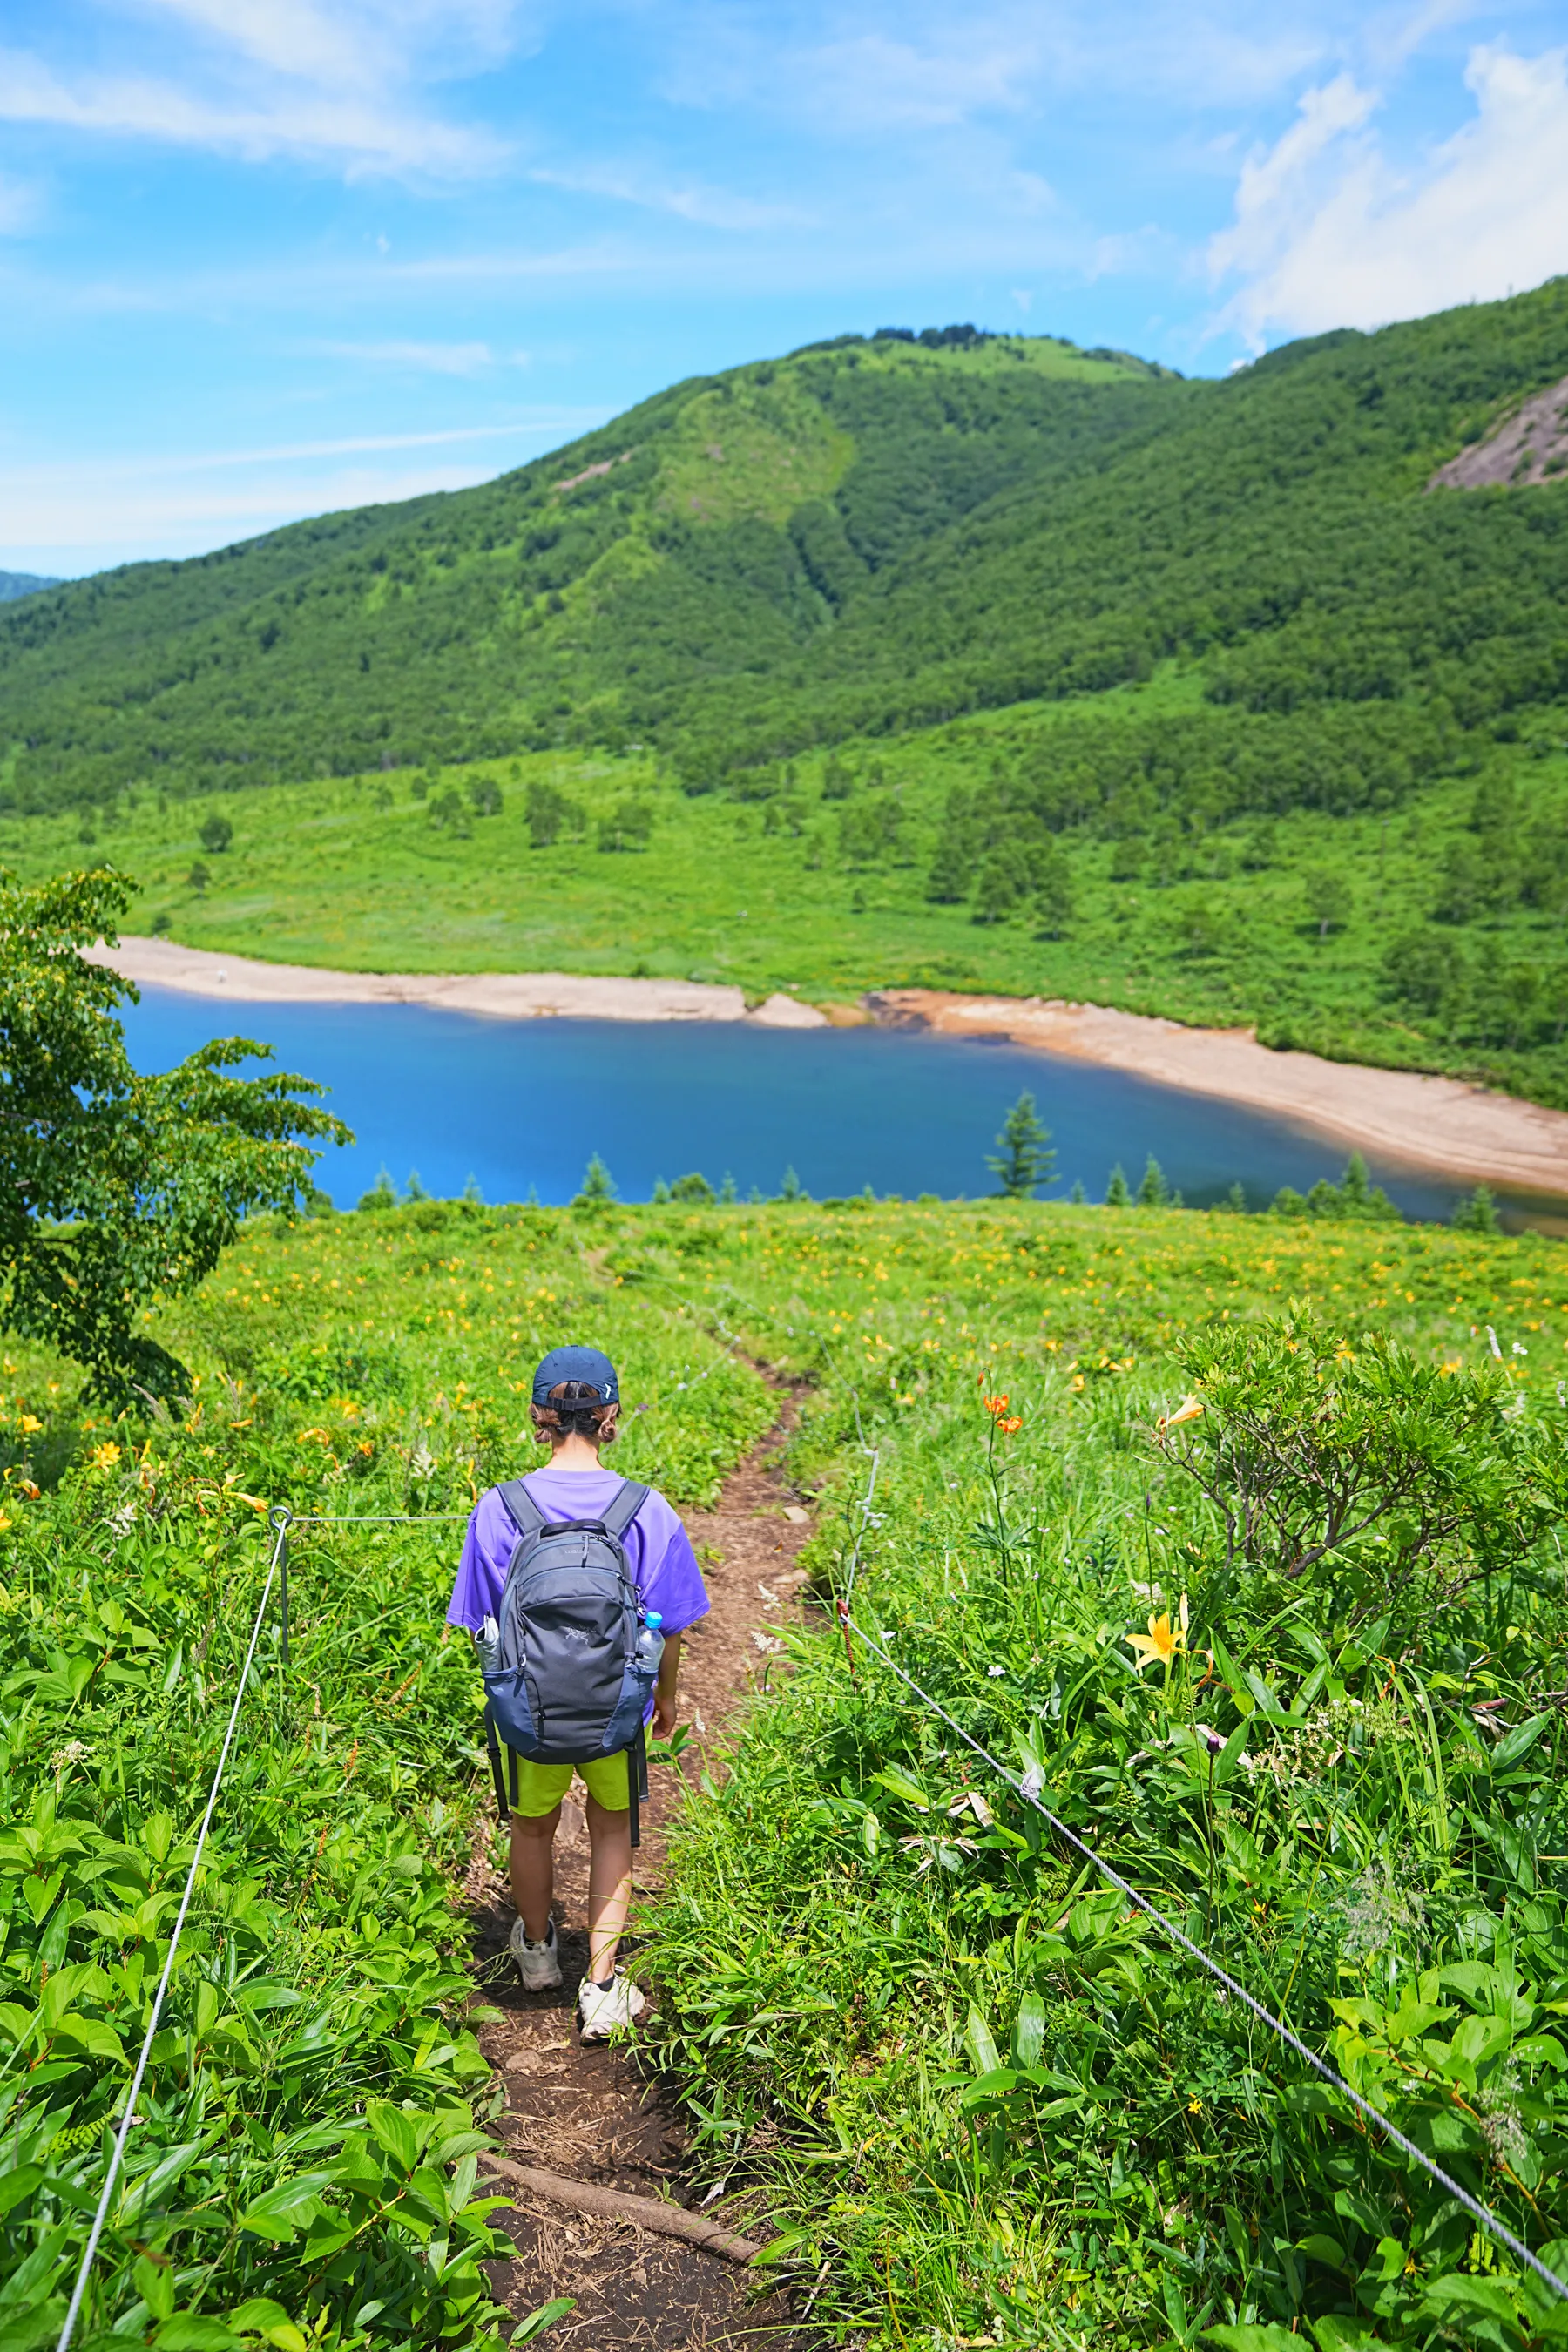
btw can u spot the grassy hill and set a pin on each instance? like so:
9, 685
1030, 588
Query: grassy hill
708, 534
980, 2098
817, 876
983, 661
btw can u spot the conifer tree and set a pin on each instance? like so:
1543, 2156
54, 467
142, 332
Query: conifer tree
598, 1184
1153, 1192
1024, 1159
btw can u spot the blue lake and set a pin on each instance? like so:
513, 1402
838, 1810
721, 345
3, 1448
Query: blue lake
520, 1105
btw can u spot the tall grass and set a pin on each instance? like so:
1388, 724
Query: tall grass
1003, 2109
993, 2104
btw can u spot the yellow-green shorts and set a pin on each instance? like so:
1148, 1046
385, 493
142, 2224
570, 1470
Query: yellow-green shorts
541, 1787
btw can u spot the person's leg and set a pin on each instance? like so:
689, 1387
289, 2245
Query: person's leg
533, 1869
609, 1885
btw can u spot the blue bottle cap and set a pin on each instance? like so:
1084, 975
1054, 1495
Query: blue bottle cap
653, 1621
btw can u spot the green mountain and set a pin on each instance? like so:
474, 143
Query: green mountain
975, 660
22, 583
711, 536
862, 538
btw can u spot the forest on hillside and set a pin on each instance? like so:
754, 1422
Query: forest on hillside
861, 540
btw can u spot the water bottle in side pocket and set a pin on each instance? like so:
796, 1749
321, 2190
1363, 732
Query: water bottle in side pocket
649, 1651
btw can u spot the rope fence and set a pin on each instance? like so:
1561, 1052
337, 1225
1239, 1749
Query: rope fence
1026, 1786
1021, 1786
279, 1520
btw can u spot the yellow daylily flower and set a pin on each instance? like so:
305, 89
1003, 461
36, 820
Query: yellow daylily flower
1163, 1640
1188, 1410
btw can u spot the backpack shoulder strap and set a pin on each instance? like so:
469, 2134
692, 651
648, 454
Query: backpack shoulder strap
620, 1514
521, 1508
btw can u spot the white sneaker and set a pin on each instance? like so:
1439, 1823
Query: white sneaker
604, 2010
539, 1965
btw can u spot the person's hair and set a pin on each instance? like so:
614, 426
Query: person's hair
576, 1409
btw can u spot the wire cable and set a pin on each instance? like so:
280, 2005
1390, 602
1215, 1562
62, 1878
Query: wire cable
1480, 2212
279, 1519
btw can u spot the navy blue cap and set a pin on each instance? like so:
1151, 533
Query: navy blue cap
587, 1366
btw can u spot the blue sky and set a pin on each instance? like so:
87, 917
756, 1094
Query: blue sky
260, 258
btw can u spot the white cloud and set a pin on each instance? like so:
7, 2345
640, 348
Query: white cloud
428, 359
706, 207
365, 137
68, 517
1330, 231
264, 77
352, 41
876, 83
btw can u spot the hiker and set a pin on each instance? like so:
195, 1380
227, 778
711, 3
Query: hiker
581, 1616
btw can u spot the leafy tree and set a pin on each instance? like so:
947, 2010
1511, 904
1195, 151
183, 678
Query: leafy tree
116, 1186
694, 1188
216, 833
869, 828
997, 891
1425, 974
485, 794
545, 810
199, 877
627, 826
1054, 895
1024, 1159
1327, 898
382, 1193
450, 811
1116, 1195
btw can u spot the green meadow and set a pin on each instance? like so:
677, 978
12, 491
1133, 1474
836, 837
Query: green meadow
1423, 935
1241, 1536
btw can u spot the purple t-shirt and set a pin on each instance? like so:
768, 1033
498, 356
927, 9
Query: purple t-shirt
659, 1558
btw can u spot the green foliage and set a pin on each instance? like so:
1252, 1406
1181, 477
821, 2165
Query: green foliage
986, 2099
598, 1185
303, 2169
1328, 900
1477, 1212
1355, 1196
1024, 1159
117, 1186
1153, 1192
1282, 1653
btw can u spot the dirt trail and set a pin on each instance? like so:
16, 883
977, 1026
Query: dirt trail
589, 2112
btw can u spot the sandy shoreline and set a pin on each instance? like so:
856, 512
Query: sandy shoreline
503, 995
1437, 1124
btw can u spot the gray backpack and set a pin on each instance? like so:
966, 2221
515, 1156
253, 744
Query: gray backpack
574, 1662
